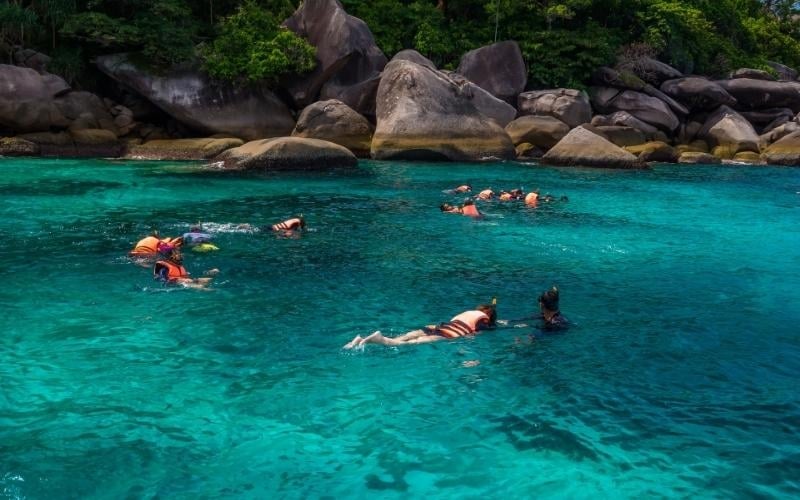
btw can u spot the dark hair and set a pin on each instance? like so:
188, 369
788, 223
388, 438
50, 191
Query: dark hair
491, 311
444, 207
468, 202
549, 299
302, 221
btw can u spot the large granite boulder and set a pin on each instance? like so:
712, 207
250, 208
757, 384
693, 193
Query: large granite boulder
786, 151
654, 151
697, 93
621, 136
763, 118
651, 70
85, 110
776, 134
487, 104
182, 149
27, 100
582, 147
625, 119
728, 133
424, 114
336, 122
29, 58
626, 80
415, 57
287, 153
753, 74
540, 131
498, 68
568, 105
207, 106
759, 94
649, 109
349, 62
785, 73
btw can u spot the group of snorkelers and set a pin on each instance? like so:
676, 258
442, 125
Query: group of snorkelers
470, 323
166, 256
470, 209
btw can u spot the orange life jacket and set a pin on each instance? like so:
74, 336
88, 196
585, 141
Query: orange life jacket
470, 210
486, 194
174, 271
466, 323
531, 199
149, 246
287, 225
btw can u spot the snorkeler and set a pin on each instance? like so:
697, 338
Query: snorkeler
486, 194
471, 210
549, 313
466, 324
152, 246
170, 271
449, 209
464, 188
289, 227
532, 199
196, 236
514, 194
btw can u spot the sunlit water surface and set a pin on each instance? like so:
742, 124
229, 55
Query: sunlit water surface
679, 377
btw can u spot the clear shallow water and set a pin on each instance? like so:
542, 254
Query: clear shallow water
679, 377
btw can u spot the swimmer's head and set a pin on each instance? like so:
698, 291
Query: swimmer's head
490, 310
446, 207
196, 228
176, 256
302, 221
164, 248
468, 202
549, 299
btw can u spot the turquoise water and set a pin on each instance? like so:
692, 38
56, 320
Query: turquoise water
678, 377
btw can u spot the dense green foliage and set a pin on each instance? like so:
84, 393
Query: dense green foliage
252, 46
562, 40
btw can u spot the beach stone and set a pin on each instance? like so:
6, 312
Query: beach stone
764, 119
582, 147
48, 138
193, 99
497, 68
14, 146
697, 158
541, 131
696, 146
760, 94
335, 121
487, 104
568, 105
622, 136
728, 133
349, 61
27, 100
698, 93
424, 114
753, 74
181, 149
642, 106
415, 57
785, 151
654, 151
287, 153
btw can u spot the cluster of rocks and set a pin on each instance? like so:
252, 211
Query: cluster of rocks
358, 103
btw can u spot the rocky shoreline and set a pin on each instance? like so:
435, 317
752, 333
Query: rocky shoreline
359, 104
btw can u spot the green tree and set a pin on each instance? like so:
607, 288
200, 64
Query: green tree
252, 46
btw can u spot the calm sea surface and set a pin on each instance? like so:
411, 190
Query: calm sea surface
679, 377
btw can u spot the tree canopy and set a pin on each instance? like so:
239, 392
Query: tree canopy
562, 40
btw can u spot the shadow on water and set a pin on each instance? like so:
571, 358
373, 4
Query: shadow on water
535, 433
